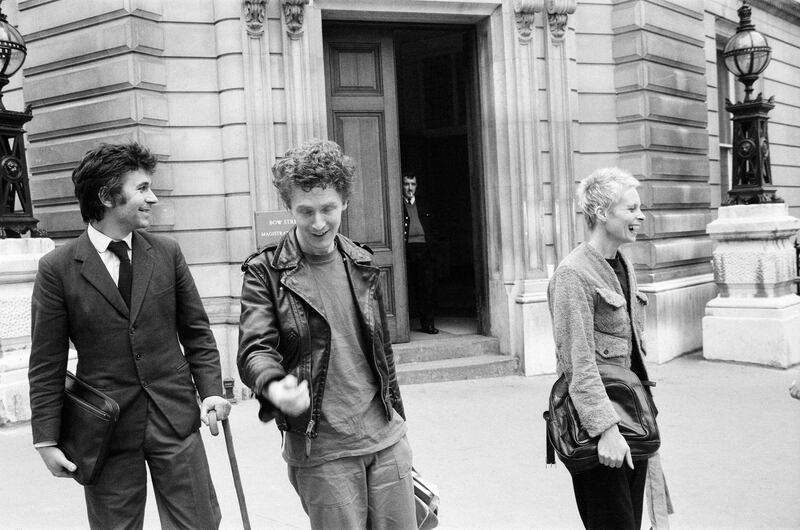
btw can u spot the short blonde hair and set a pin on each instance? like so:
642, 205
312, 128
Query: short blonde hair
602, 189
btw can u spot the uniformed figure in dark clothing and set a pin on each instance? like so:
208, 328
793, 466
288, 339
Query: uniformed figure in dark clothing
420, 265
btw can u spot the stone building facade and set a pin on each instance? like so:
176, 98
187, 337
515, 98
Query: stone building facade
523, 97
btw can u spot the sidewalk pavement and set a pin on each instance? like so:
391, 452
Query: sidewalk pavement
730, 450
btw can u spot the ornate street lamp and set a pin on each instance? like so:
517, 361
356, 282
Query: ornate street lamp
16, 207
747, 54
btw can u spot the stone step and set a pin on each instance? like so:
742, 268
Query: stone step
474, 367
445, 347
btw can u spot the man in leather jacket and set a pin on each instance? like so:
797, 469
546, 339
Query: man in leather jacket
314, 346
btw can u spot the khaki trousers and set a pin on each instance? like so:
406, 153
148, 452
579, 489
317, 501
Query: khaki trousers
373, 491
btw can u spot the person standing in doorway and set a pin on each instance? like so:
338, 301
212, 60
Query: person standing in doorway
126, 300
314, 346
420, 265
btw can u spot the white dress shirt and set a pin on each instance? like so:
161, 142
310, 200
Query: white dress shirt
109, 259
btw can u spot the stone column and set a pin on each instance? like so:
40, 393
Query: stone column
756, 316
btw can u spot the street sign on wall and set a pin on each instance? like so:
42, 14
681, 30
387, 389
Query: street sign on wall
270, 226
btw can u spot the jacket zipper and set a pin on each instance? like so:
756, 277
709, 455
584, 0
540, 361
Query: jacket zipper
309, 430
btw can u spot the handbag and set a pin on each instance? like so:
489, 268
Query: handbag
633, 404
426, 501
88, 418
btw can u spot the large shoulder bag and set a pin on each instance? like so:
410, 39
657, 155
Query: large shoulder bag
88, 418
632, 402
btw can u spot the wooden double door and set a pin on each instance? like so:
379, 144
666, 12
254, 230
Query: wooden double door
362, 118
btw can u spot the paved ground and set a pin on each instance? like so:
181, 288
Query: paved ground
731, 452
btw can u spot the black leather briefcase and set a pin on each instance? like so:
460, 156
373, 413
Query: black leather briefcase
632, 402
88, 418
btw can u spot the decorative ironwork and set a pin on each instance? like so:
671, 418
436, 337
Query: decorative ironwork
557, 13
746, 56
751, 162
255, 12
293, 13
16, 206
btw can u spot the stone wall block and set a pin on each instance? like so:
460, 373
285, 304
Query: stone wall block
661, 107
668, 223
238, 211
198, 178
649, 135
659, 49
112, 38
196, 144
659, 78
673, 166
199, 213
232, 107
72, 15
277, 72
192, 110
208, 246
207, 278
685, 25
674, 251
84, 116
228, 37
230, 71
240, 245
234, 141
674, 194
236, 176
61, 220
189, 40
101, 77
274, 32
63, 154
191, 75
224, 9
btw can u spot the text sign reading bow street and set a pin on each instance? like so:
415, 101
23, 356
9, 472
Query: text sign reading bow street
270, 226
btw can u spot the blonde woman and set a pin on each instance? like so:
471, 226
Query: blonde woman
598, 317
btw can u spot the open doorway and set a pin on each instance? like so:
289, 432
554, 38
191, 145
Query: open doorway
436, 109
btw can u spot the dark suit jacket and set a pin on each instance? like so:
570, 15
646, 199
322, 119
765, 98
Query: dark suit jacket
131, 355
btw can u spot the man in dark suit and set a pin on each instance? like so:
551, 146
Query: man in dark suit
420, 264
127, 301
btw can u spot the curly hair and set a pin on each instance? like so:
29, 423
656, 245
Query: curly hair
600, 190
314, 164
101, 172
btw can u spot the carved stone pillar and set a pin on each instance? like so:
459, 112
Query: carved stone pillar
756, 316
19, 260
562, 170
259, 104
297, 64
528, 317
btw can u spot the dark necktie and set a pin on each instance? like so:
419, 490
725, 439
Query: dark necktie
120, 248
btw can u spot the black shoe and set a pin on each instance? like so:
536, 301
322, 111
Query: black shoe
430, 330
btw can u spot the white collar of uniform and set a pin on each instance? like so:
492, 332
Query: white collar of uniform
100, 241
413, 200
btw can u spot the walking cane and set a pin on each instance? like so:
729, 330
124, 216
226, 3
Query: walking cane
237, 480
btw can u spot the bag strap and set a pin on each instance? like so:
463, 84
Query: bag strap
550, 454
